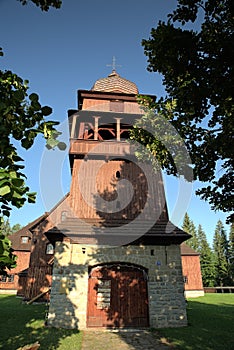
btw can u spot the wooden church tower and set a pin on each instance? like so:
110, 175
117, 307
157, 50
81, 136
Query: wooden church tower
117, 257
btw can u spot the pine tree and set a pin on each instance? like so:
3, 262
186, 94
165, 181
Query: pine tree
206, 259
221, 250
231, 254
186, 223
189, 227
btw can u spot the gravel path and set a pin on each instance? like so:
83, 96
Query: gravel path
122, 340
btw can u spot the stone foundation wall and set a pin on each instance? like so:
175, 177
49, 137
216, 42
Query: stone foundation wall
194, 293
68, 305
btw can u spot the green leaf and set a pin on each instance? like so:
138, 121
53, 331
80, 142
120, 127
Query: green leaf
18, 182
46, 110
4, 190
26, 143
12, 174
19, 95
31, 197
31, 194
4, 182
36, 105
51, 143
17, 158
5, 207
16, 195
62, 146
34, 97
6, 213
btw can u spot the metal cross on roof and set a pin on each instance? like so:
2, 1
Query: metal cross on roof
113, 65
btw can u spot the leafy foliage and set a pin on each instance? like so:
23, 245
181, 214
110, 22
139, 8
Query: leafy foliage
16, 228
6, 229
7, 258
44, 4
164, 146
197, 70
22, 119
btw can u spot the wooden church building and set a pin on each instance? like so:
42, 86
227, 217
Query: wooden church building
116, 259
117, 262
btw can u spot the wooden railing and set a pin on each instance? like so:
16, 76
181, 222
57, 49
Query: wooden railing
219, 289
101, 148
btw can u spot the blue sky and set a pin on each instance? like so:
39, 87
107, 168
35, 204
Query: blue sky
65, 50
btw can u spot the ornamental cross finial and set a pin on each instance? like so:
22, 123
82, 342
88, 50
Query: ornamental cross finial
113, 65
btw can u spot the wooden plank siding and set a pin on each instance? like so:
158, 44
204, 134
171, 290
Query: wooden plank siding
39, 271
94, 189
86, 96
39, 274
38, 280
117, 298
96, 105
115, 106
106, 148
192, 272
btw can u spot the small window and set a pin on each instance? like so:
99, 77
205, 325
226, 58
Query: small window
3, 278
49, 249
10, 278
24, 239
185, 278
63, 215
117, 174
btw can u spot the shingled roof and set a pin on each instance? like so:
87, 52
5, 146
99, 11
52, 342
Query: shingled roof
115, 83
119, 233
186, 250
16, 240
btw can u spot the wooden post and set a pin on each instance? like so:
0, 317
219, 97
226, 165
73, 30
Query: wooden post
73, 126
96, 128
118, 128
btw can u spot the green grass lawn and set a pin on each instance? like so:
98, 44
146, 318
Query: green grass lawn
211, 324
22, 324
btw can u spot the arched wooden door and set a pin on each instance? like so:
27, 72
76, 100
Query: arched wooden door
117, 297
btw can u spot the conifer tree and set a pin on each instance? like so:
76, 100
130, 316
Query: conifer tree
231, 254
206, 259
186, 223
189, 227
221, 251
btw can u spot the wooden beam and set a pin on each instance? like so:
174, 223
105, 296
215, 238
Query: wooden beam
38, 296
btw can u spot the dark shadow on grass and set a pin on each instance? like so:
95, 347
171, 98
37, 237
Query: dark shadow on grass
22, 324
